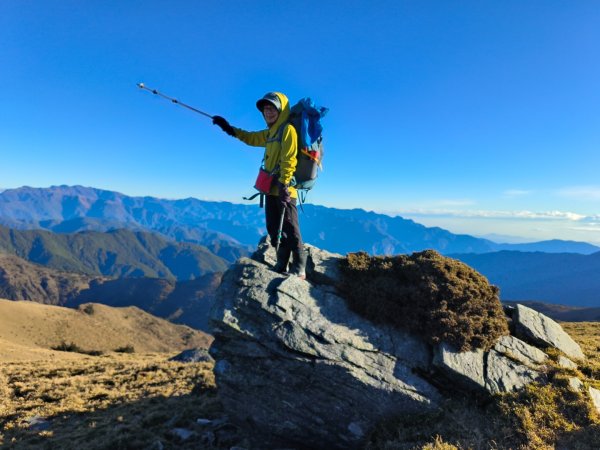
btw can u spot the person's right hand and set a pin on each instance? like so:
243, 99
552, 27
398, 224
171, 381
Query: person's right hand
224, 125
284, 194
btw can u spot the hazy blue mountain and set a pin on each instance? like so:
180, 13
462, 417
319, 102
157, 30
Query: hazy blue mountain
552, 246
561, 278
231, 230
68, 209
117, 253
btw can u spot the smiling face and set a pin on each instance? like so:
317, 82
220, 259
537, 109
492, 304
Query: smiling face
270, 113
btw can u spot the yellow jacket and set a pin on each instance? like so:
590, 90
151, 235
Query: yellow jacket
277, 154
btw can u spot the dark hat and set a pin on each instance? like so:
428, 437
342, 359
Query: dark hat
270, 97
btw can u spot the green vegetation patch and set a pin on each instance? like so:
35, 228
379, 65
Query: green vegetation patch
438, 298
72, 347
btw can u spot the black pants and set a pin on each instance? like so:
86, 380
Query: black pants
291, 237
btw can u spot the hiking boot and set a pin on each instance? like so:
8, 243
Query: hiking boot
298, 266
283, 258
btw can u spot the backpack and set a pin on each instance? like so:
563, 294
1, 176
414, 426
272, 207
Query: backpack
305, 117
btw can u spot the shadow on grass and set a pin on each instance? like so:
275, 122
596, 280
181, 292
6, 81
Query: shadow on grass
149, 423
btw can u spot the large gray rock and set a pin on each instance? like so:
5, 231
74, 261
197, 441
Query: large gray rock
509, 366
297, 367
540, 330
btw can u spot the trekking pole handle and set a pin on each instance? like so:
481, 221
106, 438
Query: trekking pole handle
173, 100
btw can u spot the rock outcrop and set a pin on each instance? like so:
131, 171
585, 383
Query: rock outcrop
543, 331
296, 367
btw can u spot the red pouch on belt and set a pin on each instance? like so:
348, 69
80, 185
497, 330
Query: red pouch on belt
264, 180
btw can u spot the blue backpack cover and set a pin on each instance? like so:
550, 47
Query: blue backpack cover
305, 117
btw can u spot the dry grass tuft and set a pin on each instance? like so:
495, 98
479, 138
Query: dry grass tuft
439, 298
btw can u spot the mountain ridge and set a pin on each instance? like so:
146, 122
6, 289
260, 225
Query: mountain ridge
232, 230
558, 278
118, 252
183, 302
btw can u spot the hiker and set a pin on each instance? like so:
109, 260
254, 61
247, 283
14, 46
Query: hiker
280, 158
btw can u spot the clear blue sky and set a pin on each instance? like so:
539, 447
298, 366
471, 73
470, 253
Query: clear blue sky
476, 116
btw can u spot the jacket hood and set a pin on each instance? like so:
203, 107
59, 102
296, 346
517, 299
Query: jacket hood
284, 115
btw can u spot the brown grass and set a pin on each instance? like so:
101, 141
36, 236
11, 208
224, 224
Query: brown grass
438, 298
29, 330
587, 335
133, 398
112, 401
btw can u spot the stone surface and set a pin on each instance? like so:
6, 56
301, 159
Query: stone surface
192, 356
322, 267
575, 384
466, 368
183, 434
566, 363
505, 368
595, 396
505, 375
38, 423
540, 330
520, 351
296, 365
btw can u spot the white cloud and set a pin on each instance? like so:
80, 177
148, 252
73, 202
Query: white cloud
486, 214
456, 202
581, 192
516, 193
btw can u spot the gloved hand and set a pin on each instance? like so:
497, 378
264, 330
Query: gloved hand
284, 193
221, 122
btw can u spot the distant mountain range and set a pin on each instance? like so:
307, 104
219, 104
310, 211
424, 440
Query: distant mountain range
563, 278
231, 230
106, 234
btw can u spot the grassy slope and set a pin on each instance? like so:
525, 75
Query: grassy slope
115, 400
38, 327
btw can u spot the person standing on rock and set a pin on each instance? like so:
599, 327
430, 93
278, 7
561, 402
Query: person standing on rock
281, 146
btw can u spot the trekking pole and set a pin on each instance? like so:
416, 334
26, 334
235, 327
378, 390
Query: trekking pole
173, 100
280, 229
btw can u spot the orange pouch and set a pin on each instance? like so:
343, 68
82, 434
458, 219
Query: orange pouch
264, 180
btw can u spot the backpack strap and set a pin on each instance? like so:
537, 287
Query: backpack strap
261, 200
279, 136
